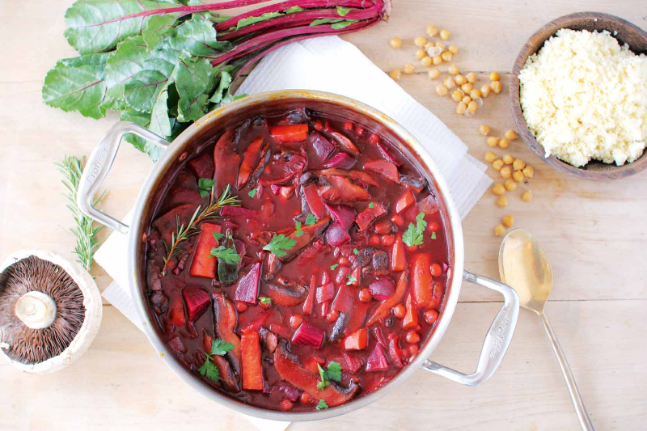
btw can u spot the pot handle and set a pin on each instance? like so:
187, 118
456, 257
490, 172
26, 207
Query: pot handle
99, 164
496, 341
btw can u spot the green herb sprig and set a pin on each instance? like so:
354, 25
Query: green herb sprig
209, 369
279, 244
333, 372
413, 235
86, 232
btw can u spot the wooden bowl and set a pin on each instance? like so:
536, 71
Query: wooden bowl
622, 30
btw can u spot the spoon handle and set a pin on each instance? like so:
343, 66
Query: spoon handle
582, 415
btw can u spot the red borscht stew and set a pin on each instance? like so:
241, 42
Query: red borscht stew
297, 263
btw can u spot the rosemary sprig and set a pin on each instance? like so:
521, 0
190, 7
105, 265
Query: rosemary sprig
85, 233
184, 232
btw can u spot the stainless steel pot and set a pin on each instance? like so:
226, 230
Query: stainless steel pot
200, 135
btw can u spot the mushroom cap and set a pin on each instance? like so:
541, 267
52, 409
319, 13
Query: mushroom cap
82, 327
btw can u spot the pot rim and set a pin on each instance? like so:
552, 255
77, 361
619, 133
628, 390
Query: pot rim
174, 151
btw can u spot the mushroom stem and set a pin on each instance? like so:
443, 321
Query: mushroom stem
36, 310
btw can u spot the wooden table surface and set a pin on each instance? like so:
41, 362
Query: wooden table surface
594, 233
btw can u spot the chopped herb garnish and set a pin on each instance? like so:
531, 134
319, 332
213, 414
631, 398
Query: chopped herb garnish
322, 405
209, 369
332, 373
413, 235
298, 232
311, 219
433, 235
252, 193
265, 300
279, 245
217, 235
205, 185
334, 267
355, 251
351, 279
229, 255
371, 205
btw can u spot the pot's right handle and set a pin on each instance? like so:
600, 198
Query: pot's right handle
496, 341
99, 164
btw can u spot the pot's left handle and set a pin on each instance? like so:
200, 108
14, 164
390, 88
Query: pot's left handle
496, 341
99, 164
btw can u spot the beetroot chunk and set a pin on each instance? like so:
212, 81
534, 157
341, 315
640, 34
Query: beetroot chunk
325, 293
229, 211
322, 146
382, 288
341, 161
308, 335
196, 300
336, 235
377, 360
344, 214
202, 166
248, 285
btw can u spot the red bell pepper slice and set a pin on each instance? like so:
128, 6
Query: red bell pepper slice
250, 160
250, 346
289, 133
204, 264
358, 340
411, 317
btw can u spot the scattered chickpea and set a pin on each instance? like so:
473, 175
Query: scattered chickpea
508, 221
428, 45
490, 157
409, 68
395, 43
419, 41
527, 196
399, 311
438, 60
510, 185
460, 79
518, 165
498, 189
420, 54
496, 86
511, 135
453, 49
517, 176
528, 172
441, 90
364, 295
412, 337
445, 34
502, 201
461, 108
395, 74
499, 230
475, 93
484, 129
472, 107
452, 69
434, 73
485, 90
494, 76
506, 171
471, 77
497, 164
426, 61
466, 100
441, 46
446, 56
467, 87
503, 143
508, 159
449, 82
492, 141
431, 30
457, 95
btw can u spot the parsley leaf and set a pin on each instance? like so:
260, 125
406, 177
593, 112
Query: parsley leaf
265, 300
209, 370
279, 245
371, 205
355, 251
413, 235
310, 219
342, 11
334, 267
322, 405
332, 373
324, 381
205, 185
229, 255
217, 235
298, 232
351, 279
252, 193
220, 347
433, 235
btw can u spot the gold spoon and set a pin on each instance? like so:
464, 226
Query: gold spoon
524, 266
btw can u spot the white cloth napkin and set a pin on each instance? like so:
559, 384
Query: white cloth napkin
330, 64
